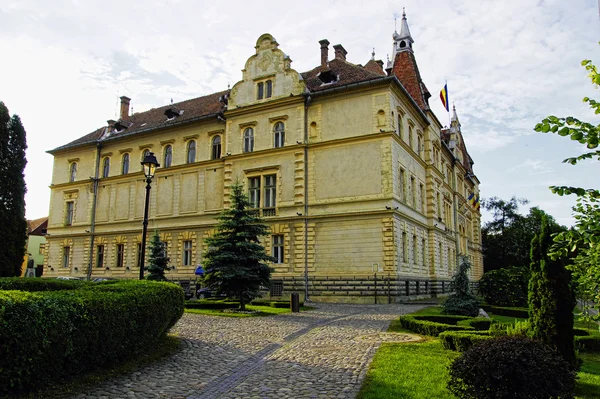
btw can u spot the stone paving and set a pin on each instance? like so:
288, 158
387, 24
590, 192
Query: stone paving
323, 353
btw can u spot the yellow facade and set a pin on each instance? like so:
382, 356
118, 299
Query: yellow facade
364, 182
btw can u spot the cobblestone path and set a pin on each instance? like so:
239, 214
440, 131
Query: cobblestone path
323, 353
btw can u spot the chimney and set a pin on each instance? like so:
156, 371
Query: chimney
111, 125
340, 52
125, 107
324, 51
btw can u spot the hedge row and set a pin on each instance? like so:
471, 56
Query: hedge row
417, 324
461, 341
588, 343
520, 313
478, 323
202, 304
442, 318
48, 335
39, 284
580, 332
273, 304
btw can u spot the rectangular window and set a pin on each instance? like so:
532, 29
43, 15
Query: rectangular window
42, 247
66, 256
139, 255
69, 214
120, 254
422, 193
187, 253
260, 91
100, 256
415, 249
402, 185
277, 248
410, 137
270, 191
421, 145
254, 192
269, 88
404, 248
423, 255
413, 188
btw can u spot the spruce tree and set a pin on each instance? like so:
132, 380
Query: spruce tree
13, 225
462, 302
235, 262
551, 299
157, 259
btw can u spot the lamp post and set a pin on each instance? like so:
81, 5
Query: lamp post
150, 164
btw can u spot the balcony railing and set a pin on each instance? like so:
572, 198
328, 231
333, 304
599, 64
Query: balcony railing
264, 212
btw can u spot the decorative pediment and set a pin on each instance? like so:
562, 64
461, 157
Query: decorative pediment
267, 76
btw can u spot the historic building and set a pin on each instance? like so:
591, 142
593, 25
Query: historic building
346, 163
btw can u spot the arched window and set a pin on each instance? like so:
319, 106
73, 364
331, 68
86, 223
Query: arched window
249, 140
216, 147
145, 153
106, 167
168, 156
191, 151
279, 134
72, 172
125, 168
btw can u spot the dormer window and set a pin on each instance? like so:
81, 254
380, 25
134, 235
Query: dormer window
327, 77
172, 112
121, 125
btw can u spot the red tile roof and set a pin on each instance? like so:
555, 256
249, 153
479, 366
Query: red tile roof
406, 70
345, 71
375, 67
35, 226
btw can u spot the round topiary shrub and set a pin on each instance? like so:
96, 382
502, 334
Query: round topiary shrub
511, 368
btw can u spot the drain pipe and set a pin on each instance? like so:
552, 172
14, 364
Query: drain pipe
94, 201
307, 100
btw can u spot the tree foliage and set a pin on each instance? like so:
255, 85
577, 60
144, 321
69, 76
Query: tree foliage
157, 259
551, 300
13, 225
583, 239
505, 287
506, 238
235, 262
462, 302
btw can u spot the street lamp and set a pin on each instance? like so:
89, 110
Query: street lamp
150, 164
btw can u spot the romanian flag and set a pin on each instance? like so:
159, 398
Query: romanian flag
444, 97
476, 204
471, 199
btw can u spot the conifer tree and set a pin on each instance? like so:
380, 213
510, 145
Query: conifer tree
551, 300
157, 259
13, 225
235, 262
462, 302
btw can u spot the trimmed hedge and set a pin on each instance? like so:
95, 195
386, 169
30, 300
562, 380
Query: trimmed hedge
273, 304
34, 284
580, 332
201, 304
478, 323
520, 313
443, 318
588, 343
422, 326
461, 341
45, 336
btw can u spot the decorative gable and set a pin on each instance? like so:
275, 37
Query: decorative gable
267, 75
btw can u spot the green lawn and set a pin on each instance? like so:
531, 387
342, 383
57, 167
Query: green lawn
419, 370
262, 311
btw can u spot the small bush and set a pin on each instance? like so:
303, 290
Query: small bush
478, 323
521, 313
520, 328
511, 368
466, 306
587, 343
498, 329
462, 341
505, 287
425, 327
48, 335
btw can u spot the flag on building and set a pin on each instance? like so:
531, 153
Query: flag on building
476, 203
444, 97
471, 199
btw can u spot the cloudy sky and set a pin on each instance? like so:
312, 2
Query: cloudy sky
508, 64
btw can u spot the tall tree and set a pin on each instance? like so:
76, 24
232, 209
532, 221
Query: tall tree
13, 225
507, 237
551, 300
235, 262
583, 239
158, 259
